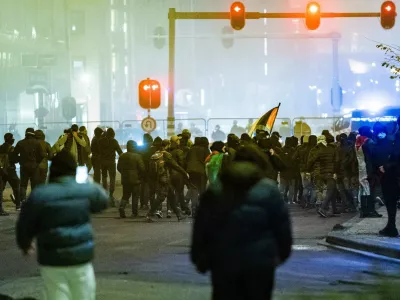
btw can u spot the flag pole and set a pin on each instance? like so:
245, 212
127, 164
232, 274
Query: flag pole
279, 105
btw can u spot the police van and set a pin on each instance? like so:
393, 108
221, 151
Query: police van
351, 122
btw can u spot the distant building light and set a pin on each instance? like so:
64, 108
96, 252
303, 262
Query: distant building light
73, 28
358, 83
319, 91
371, 80
376, 82
397, 89
373, 64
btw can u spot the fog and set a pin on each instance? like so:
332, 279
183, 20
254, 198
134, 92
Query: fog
103, 49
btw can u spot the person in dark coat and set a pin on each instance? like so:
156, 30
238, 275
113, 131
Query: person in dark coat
390, 180
8, 173
96, 154
132, 169
275, 162
146, 153
29, 154
288, 176
57, 216
346, 162
108, 148
177, 179
195, 162
242, 230
44, 164
327, 159
300, 158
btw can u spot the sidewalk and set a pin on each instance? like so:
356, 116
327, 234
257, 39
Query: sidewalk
362, 235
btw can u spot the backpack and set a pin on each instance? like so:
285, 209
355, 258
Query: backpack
213, 167
157, 168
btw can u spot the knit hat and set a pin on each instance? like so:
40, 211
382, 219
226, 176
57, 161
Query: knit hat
217, 146
30, 131
8, 137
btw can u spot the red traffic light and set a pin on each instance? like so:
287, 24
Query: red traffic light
149, 94
238, 15
388, 14
313, 15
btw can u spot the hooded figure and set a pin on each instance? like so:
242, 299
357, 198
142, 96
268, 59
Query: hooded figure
86, 161
96, 154
245, 207
44, 164
58, 216
108, 148
73, 143
132, 169
146, 152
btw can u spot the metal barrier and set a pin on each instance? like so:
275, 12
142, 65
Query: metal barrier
54, 130
197, 126
132, 130
282, 125
313, 125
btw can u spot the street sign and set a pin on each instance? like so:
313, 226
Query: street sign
149, 124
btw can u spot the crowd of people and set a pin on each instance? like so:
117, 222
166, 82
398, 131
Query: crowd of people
346, 173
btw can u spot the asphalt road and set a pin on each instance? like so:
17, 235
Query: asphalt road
137, 260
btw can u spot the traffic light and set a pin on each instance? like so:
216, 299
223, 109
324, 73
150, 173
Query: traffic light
159, 37
313, 16
238, 15
68, 105
388, 14
149, 94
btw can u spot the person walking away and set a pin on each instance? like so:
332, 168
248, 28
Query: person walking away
9, 172
391, 189
73, 143
44, 164
57, 216
327, 159
300, 157
346, 159
214, 162
146, 153
132, 169
177, 178
96, 154
29, 154
108, 147
242, 230
288, 176
367, 177
86, 161
161, 164
195, 162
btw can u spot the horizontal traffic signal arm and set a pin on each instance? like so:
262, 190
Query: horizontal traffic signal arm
259, 15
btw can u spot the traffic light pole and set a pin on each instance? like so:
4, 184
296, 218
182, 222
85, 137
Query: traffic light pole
173, 15
171, 73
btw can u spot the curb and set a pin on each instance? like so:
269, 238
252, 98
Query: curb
359, 252
358, 245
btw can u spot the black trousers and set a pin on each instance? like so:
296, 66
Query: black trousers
390, 190
12, 178
42, 176
96, 164
177, 191
256, 285
128, 191
144, 193
28, 174
109, 168
162, 190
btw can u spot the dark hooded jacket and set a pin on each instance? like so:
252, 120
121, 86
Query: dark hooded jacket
179, 157
131, 166
300, 156
327, 159
95, 145
145, 150
347, 160
108, 146
28, 152
241, 225
287, 156
196, 157
40, 136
